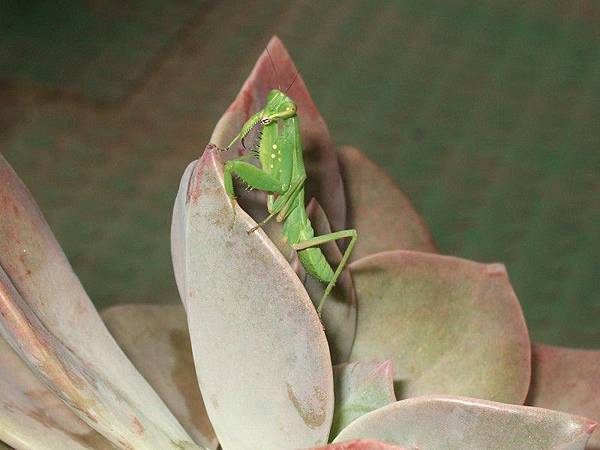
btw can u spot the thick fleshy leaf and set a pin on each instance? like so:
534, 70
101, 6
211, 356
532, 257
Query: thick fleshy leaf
35, 264
360, 387
339, 313
252, 326
567, 379
178, 231
460, 423
92, 397
380, 212
32, 417
156, 339
360, 444
324, 181
450, 326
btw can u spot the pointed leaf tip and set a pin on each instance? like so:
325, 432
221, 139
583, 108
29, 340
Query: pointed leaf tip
324, 181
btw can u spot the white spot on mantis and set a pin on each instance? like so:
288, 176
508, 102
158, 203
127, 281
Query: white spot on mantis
271, 166
274, 146
273, 155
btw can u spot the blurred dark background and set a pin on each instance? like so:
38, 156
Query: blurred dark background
487, 113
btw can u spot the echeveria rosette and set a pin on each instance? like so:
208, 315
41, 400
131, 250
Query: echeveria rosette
438, 329
477, 347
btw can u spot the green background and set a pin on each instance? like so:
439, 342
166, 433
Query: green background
487, 114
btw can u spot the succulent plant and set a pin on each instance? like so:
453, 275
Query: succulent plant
414, 350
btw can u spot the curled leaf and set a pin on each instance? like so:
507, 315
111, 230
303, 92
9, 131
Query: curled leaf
450, 326
252, 326
52, 305
459, 423
93, 398
359, 389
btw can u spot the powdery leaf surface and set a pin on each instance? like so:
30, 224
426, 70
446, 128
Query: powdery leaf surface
324, 181
568, 380
252, 326
156, 340
459, 423
450, 326
360, 387
47, 300
380, 212
32, 417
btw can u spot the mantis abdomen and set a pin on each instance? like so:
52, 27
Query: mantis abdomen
298, 229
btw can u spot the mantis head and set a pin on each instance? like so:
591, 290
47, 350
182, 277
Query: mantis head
279, 106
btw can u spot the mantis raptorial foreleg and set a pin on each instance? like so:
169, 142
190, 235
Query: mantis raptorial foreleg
252, 176
319, 240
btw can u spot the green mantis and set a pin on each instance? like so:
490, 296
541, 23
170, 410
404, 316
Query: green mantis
275, 133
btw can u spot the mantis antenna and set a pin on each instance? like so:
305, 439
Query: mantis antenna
292, 83
273, 67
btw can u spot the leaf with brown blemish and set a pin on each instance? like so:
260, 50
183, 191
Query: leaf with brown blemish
156, 340
460, 423
253, 328
449, 325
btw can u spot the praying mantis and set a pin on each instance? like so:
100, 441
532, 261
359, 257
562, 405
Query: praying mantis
276, 143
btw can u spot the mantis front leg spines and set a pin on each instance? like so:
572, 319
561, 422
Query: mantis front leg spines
282, 173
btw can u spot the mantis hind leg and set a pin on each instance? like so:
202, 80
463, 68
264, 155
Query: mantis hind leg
319, 240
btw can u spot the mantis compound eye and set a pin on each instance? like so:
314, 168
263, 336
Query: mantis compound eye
265, 121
